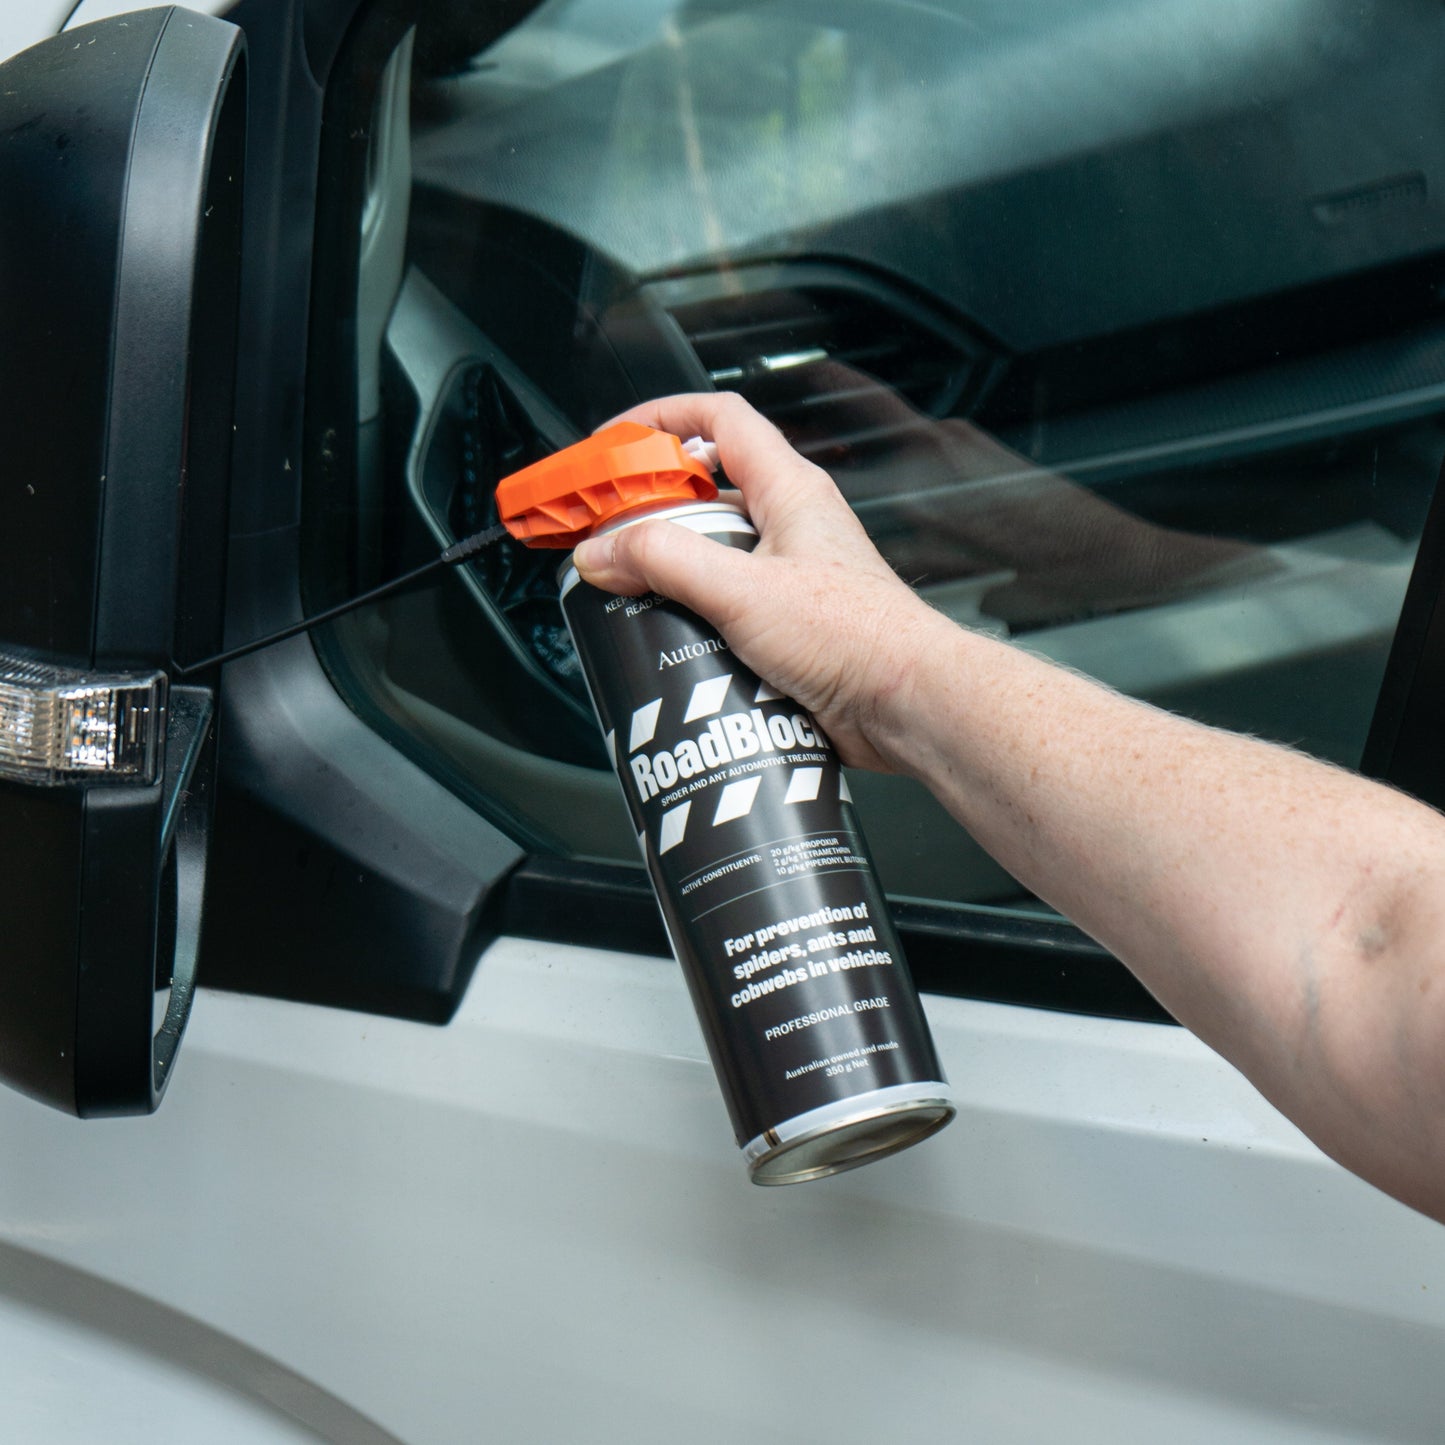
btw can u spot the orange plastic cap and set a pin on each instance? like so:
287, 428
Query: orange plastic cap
565, 497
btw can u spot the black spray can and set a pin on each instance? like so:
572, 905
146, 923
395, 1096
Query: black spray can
771, 903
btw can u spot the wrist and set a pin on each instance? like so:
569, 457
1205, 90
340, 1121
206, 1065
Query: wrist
928, 656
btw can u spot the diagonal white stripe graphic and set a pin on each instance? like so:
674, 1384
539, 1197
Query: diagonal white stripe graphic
803, 785
708, 697
611, 741
644, 724
843, 792
736, 800
767, 694
674, 826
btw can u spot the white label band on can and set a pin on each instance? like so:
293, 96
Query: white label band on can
769, 897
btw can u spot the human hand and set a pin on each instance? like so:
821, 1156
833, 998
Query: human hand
814, 609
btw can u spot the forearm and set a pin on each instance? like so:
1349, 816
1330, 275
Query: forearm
1288, 912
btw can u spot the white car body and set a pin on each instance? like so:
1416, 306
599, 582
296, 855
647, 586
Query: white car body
531, 1225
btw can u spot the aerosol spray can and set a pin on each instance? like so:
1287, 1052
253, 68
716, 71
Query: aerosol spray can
745, 822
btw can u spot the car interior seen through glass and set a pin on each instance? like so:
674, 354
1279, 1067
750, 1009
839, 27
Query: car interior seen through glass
1120, 325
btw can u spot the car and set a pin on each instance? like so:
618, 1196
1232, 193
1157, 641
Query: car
1120, 327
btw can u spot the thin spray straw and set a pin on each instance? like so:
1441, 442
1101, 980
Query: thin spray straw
457, 552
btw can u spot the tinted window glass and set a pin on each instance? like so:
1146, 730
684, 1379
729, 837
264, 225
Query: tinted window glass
1119, 324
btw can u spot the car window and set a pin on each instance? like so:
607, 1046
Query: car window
1119, 325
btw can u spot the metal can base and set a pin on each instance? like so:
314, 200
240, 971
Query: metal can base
848, 1133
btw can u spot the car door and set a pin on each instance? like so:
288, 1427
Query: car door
443, 1158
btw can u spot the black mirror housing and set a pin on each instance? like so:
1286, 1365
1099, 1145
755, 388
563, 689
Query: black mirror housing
121, 159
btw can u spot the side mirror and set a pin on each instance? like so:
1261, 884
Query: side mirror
121, 156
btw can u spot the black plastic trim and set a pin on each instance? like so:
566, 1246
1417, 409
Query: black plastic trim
342, 873
1404, 745
954, 950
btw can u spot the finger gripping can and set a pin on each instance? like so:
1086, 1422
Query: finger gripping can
771, 904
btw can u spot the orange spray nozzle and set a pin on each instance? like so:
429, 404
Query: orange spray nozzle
565, 497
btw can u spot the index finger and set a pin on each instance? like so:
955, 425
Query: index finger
754, 453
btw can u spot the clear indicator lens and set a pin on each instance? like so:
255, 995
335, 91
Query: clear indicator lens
62, 726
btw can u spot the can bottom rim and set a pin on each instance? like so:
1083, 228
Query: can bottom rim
848, 1133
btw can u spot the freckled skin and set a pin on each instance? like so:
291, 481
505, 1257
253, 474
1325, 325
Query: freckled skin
1290, 913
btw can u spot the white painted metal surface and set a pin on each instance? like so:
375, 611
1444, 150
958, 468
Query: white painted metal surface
532, 1225
88, 10
27, 22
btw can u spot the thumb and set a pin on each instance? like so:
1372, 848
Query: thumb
704, 575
